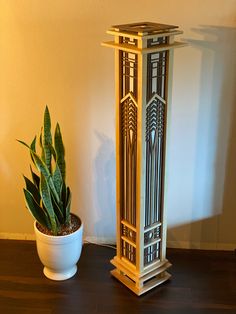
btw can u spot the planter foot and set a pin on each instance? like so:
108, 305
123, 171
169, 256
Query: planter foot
51, 274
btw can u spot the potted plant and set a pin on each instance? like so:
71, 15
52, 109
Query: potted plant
58, 231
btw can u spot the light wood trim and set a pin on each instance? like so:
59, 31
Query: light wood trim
157, 224
140, 288
151, 243
123, 47
124, 269
128, 241
153, 266
122, 34
141, 160
168, 88
133, 36
165, 34
117, 93
125, 223
128, 268
156, 271
163, 47
129, 48
127, 262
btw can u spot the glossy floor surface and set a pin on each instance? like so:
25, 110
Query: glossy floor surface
202, 282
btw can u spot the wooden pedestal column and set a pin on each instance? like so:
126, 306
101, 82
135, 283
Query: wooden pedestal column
143, 55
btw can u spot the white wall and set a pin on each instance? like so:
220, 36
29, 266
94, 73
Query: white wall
50, 53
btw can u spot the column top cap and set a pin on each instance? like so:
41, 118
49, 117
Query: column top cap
143, 28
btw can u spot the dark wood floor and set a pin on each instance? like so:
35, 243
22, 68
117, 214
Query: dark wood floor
202, 282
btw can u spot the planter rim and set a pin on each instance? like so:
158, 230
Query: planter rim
70, 235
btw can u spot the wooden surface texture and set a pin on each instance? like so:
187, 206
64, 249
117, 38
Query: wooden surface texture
202, 282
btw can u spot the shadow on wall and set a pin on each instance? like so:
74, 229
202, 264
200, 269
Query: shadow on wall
105, 189
213, 207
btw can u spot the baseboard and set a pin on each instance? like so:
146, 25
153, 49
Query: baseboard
28, 236
100, 240
201, 246
112, 240
17, 236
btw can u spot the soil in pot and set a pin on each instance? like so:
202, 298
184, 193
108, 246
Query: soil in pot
65, 229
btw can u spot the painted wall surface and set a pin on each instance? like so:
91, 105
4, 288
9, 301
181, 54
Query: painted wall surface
50, 53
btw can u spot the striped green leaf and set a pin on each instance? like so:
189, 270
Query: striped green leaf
68, 204
57, 179
47, 138
32, 189
36, 210
35, 178
24, 144
53, 152
46, 198
63, 197
60, 151
58, 225
41, 146
33, 147
58, 210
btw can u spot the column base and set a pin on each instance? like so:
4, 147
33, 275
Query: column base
141, 284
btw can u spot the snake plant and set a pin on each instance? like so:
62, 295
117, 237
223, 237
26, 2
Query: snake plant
46, 194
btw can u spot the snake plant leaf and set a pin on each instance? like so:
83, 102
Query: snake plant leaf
57, 179
47, 138
41, 138
63, 197
58, 209
53, 152
46, 198
29, 147
60, 151
32, 189
68, 205
58, 224
35, 178
33, 144
36, 210
24, 143
41, 145
33, 147
44, 170
45, 212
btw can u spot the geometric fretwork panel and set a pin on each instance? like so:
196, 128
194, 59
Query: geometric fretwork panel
129, 234
151, 253
155, 116
156, 41
129, 74
156, 74
128, 158
152, 235
129, 252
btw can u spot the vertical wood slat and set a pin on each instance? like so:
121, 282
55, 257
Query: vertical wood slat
168, 89
141, 154
118, 148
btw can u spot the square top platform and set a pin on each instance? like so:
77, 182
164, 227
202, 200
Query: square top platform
143, 28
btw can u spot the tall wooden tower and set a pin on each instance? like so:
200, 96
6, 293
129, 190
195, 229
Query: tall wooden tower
143, 69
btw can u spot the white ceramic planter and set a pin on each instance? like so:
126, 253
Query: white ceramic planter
59, 254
